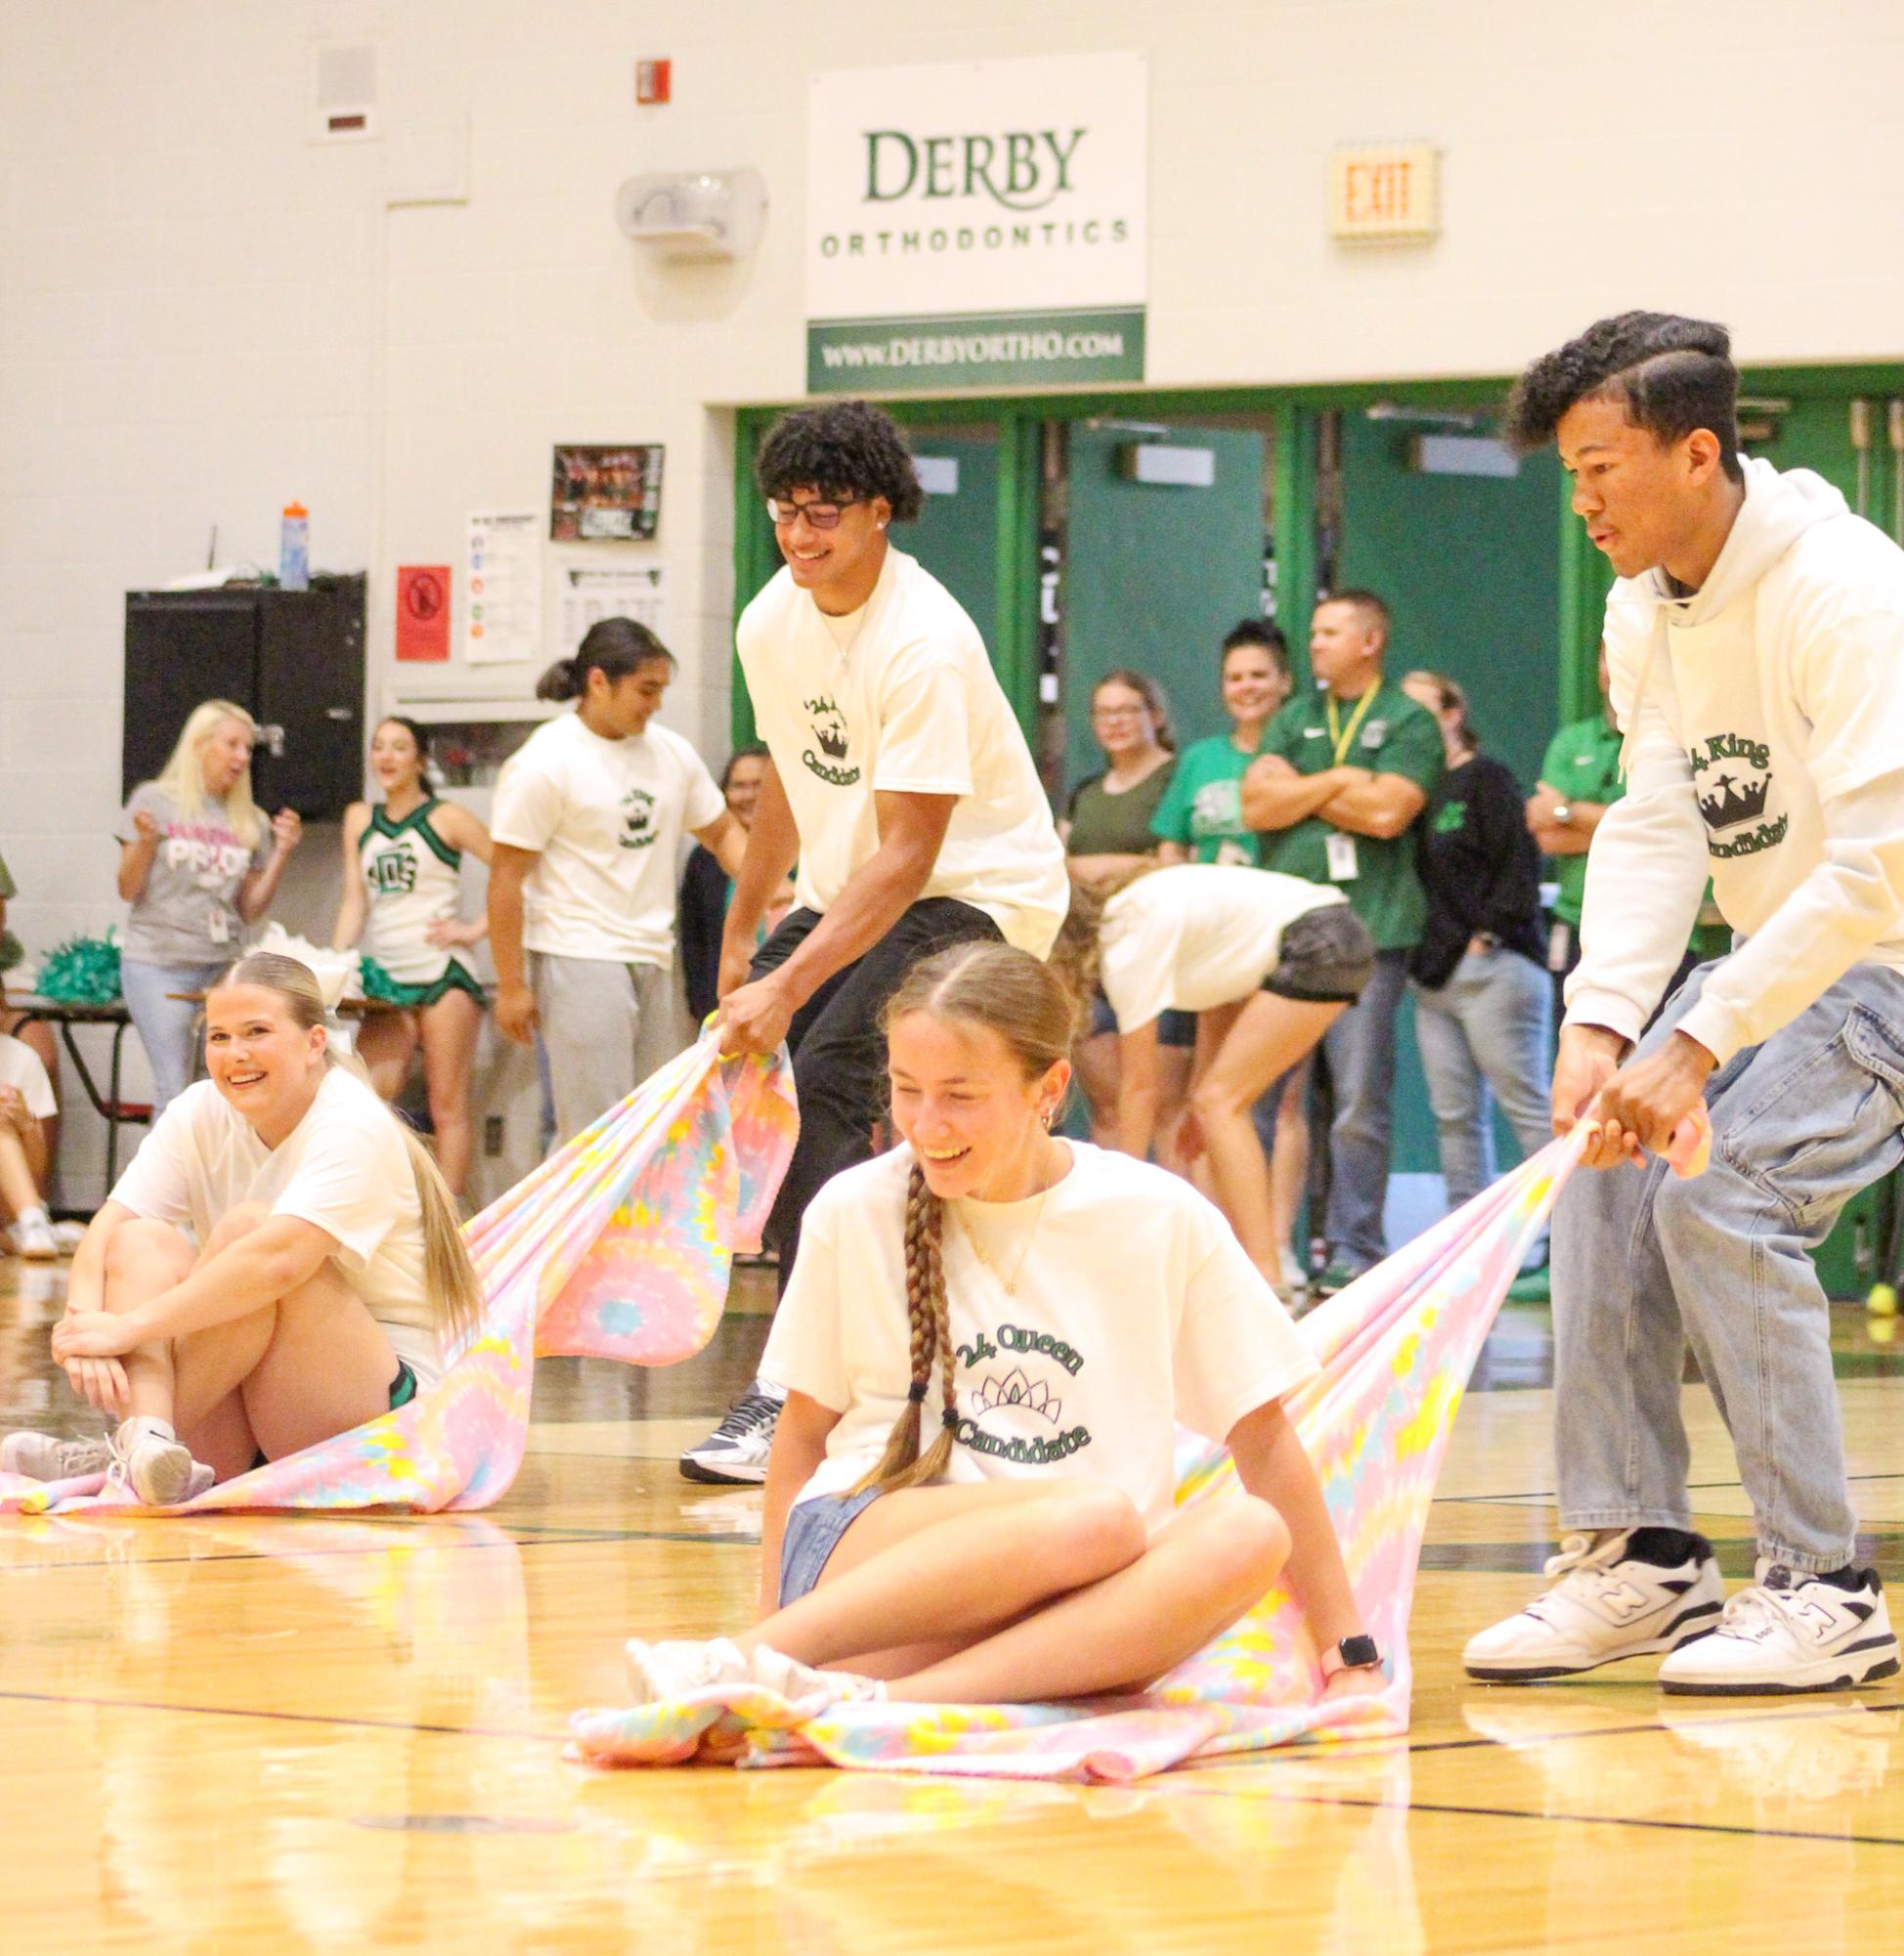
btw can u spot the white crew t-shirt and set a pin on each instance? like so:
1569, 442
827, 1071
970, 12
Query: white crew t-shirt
343, 1167
1198, 935
606, 816
904, 702
1134, 1308
21, 1067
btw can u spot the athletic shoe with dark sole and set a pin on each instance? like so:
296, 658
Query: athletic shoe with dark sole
735, 1453
1604, 1605
1789, 1633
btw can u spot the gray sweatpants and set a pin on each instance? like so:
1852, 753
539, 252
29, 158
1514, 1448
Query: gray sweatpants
605, 1025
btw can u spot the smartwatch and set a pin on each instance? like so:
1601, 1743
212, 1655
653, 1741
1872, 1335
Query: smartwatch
1353, 1653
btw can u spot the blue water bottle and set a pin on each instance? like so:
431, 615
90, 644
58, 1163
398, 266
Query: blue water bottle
295, 548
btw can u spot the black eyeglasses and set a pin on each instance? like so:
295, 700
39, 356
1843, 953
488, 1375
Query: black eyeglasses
821, 515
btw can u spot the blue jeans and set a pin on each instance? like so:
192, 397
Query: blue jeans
1643, 1262
1484, 1037
166, 1025
1360, 1051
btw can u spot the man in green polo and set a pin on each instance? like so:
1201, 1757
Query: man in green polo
1344, 772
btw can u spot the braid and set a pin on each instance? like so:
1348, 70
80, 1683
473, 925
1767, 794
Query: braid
928, 1319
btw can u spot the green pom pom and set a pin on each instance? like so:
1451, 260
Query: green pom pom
83, 971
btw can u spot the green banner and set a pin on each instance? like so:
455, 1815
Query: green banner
949, 353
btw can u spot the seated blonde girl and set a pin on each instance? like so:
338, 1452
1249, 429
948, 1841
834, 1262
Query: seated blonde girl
1048, 1310
322, 1279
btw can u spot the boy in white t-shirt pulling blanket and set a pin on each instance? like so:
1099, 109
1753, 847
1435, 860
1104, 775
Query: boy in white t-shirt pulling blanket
1048, 1311
899, 781
323, 1276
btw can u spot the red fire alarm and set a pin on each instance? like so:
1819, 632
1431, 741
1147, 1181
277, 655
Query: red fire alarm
653, 80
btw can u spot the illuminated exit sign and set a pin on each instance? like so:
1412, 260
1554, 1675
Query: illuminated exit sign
1384, 192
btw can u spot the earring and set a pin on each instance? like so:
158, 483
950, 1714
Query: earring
1050, 1114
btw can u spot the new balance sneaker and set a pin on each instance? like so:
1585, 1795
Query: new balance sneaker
735, 1453
39, 1456
156, 1465
664, 1671
798, 1683
1605, 1604
1788, 1632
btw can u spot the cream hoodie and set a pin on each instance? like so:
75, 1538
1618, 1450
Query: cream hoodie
1763, 719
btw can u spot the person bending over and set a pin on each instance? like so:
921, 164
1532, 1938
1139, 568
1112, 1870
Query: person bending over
1266, 963
987, 1344
322, 1279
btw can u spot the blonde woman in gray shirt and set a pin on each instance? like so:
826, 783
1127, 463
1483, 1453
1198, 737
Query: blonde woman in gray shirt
198, 863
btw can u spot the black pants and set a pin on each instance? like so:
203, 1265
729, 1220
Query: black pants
839, 1050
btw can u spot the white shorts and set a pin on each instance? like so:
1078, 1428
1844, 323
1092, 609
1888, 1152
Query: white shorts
419, 1350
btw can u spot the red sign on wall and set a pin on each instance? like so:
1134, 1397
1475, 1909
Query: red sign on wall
422, 611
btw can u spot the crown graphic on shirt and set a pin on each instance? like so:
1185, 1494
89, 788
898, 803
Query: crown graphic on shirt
1016, 1389
1734, 801
831, 737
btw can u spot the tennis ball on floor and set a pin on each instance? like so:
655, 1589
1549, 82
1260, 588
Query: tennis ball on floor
1882, 1302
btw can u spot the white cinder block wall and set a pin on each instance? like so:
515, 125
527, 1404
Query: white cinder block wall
203, 313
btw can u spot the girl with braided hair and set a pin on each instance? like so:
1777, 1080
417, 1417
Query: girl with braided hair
972, 1500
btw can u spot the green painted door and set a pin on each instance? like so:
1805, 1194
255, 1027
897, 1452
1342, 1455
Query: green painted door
956, 535
1469, 567
1153, 576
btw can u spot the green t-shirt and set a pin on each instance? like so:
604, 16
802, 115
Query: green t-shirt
1581, 764
11, 951
1202, 810
1388, 735
1108, 824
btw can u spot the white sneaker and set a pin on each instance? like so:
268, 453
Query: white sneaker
39, 1456
1295, 1279
1603, 1606
33, 1238
1788, 1632
798, 1683
159, 1469
735, 1453
661, 1673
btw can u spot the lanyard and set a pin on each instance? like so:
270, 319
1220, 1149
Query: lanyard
1341, 735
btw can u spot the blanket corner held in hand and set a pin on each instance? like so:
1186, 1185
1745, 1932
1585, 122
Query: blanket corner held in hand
617, 1246
1396, 1350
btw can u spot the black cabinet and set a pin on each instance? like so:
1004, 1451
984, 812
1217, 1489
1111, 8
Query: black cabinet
292, 658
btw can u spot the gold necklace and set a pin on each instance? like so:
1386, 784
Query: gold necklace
1009, 1284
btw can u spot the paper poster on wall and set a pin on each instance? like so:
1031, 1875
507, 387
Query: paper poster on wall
604, 494
587, 594
502, 573
422, 612
977, 224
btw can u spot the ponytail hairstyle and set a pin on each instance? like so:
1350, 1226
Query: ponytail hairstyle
426, 767
1030, 1008
1078, 951
450, 1277
615, 647
1454, 699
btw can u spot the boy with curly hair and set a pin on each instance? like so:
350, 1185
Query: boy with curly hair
901, 784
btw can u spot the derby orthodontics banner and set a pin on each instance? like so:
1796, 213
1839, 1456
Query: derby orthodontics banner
977, 225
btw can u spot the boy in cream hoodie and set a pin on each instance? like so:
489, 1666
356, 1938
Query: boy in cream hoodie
1755, 641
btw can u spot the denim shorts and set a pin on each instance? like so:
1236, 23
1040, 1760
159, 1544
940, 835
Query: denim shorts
1175, 1028
813, 1531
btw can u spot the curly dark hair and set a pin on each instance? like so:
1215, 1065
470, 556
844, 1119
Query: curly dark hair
845, 449
1672, 374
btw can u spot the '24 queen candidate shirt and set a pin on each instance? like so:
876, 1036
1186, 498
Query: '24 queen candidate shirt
901, 698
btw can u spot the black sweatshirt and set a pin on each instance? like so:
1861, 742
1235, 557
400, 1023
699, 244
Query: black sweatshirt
1480, 867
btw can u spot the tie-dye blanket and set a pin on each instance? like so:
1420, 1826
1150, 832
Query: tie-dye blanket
1396, 1350
617, 1247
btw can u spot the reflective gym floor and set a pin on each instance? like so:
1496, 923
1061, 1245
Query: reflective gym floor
284, 1734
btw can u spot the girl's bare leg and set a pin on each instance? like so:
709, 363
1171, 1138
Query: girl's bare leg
1290, 1158
1097, 1075
947, 1565
1270, 1035
37, 1035
143, 1261
1121, 1634
385, 1043
18, 1192
450, 1029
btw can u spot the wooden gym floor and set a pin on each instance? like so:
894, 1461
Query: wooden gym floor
282, 1734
